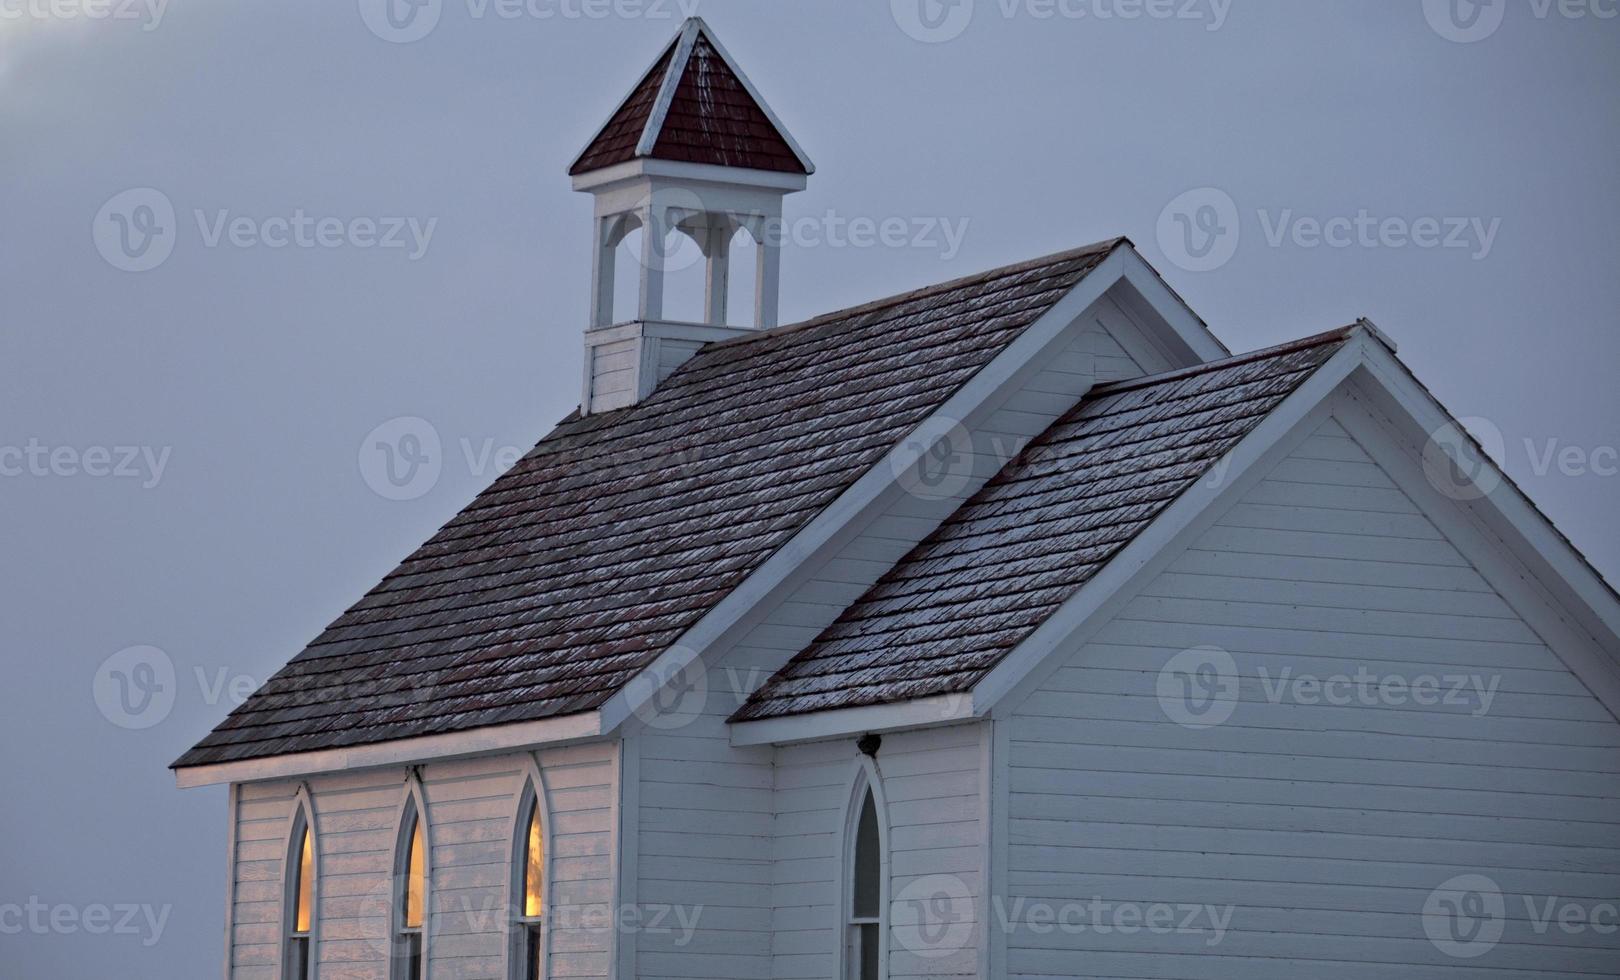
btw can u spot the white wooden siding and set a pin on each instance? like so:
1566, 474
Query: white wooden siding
471, 815
932, 782
1324, 828
707, 811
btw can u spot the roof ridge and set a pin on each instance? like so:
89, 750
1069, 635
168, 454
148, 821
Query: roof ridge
1104, 246
1237, 360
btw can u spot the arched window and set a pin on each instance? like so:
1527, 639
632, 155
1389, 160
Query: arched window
864, 899
528, 952
298, 902
410, 895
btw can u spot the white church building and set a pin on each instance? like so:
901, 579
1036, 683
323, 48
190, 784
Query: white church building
1011, 627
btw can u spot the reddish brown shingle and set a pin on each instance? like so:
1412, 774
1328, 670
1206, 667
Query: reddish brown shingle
712, 119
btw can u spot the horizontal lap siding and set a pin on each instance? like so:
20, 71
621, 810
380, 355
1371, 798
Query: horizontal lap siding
707, 813
702, 854
932, 781
1324, 828
471, 809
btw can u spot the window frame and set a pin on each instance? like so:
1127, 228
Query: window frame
293, 939
530, 934
866, 780
402, 937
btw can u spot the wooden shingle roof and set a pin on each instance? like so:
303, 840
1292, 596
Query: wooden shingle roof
694, 106
616, 533
938, 621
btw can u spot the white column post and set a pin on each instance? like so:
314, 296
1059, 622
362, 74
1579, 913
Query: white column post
653, 260
602, 272
717, 233
767, 280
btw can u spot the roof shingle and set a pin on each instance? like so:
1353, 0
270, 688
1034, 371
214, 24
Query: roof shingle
943, 617
712, 119
616, 533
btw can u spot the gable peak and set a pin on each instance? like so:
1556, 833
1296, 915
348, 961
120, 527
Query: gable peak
695, 105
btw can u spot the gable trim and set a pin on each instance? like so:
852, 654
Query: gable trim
1534, 598
679, 50
781, 572
452, 745
1010, 682
684, 44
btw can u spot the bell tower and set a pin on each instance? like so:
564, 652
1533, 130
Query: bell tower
693, 150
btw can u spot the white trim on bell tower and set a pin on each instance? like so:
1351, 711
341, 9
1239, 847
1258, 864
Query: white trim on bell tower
710, 203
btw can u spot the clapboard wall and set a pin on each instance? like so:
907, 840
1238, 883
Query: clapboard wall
1322, 828
472, 810
707, 812
932, 788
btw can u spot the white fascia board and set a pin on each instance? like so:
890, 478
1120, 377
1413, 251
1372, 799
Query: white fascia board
635, 174
451, 745
780, 573
822, 726
765, 107
1012, 680
1188, 329
621, 103
666, 89
1586, 607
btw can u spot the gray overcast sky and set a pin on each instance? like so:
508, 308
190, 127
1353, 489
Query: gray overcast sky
251, 375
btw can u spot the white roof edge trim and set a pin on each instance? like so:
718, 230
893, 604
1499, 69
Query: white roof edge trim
686, 41
1559, 574
777, 571
1368, 357
1010, 681
423, 748
820, 726
1187, 326
748, 84
626, 98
